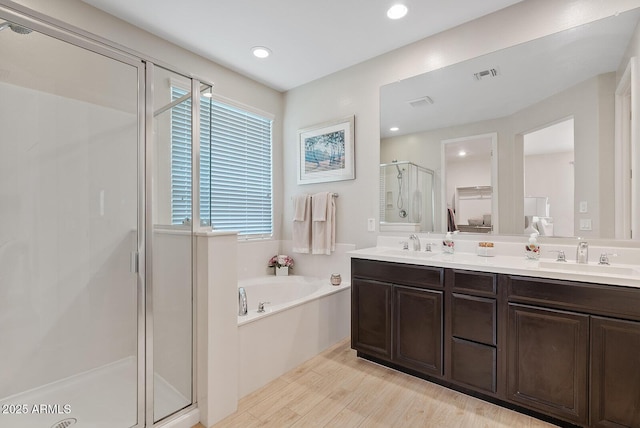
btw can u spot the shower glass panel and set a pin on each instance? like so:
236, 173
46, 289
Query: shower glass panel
171, 290
407, 196
69, 144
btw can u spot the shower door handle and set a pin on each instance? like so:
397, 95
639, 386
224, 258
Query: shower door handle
133, 262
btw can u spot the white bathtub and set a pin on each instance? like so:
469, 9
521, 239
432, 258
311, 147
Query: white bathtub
305, 316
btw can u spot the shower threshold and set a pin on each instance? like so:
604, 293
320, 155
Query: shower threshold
105, 397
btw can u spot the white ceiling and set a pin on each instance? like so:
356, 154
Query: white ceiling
309, 39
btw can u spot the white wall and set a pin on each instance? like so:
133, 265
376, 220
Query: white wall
356, 91
68, 179
557, 186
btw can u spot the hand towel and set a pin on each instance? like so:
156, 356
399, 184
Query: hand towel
319, 201
301, 233
323, 233
300, 207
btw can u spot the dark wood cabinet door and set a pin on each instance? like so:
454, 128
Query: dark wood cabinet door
418, 329
371, 317
615, 373
548, 361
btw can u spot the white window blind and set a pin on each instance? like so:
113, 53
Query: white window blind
235, 169
180, 158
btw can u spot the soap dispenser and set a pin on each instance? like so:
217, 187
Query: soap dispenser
533, 248
448, 243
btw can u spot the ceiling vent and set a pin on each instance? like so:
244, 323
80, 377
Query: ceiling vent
421, 102
486, 74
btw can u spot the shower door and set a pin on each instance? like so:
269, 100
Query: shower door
169, 332
70, 230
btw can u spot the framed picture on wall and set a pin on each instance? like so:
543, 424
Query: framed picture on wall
326, 152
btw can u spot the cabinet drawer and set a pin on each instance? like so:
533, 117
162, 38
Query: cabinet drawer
398, 273
466, 281
473, 364
473, 318
615, 301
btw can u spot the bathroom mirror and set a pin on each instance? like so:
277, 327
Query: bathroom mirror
571, 76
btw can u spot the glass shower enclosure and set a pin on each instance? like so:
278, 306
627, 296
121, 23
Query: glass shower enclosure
96, 283
406, 197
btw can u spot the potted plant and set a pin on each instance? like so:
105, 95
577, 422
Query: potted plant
281, 264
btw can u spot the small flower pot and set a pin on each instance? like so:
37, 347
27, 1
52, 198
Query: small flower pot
282, 271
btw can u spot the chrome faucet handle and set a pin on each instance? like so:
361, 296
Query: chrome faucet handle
242, 301
405, 245
604, 258
261, 306
561, 256
427, 247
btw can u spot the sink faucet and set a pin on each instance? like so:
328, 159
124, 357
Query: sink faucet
416, 241
582, 253
242, 301
561, 256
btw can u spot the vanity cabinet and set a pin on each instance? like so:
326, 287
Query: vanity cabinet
548, 361
565, 349
574, 350
471, 330
397, 314
615, 373
371, 317
418, 329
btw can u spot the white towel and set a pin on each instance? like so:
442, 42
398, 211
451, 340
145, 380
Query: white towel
323, 233
320, 204
302, 224
300, 207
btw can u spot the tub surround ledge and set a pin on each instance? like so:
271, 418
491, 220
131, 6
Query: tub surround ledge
217, 340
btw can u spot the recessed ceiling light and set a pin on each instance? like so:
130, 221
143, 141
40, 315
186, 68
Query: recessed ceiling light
394, 129
260, 52
397, 11
462, 153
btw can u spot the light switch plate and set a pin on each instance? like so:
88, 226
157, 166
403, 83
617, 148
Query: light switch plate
371, 224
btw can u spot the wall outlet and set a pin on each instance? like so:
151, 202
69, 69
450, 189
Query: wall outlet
585, 224
371, 224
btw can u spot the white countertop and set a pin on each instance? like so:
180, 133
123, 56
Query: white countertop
615, 274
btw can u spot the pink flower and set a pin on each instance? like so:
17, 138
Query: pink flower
281, 260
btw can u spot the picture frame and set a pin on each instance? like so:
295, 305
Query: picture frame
326, 152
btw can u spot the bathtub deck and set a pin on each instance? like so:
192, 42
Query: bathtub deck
336, 389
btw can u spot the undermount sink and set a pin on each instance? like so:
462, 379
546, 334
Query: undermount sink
590, 268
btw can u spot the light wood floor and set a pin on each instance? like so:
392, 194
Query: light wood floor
336, 389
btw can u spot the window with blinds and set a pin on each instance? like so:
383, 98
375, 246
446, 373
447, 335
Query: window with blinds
235, 168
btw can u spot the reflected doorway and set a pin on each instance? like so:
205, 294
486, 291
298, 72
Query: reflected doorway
469, 185
549, 180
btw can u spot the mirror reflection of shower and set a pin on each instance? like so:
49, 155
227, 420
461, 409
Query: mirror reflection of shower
407, 196
400, 199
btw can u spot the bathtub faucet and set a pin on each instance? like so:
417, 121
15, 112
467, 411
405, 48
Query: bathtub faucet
261, 306
242, 301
